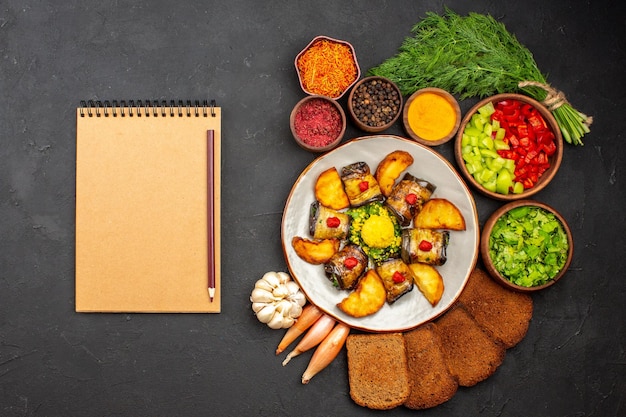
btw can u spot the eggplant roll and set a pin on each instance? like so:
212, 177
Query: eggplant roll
326, 223
360, 185
397, 278
408, 196
346, 267
424, 245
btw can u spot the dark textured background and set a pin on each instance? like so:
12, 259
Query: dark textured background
54, 362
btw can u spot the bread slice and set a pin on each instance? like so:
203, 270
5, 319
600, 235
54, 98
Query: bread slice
377, 370
471, 352
505, 313
429, 377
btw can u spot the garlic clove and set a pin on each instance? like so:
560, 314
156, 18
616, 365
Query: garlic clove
256, 307
271, 278
288, 322
281, 291
276, 322
298, 298
261, 296
292, 287
284, 277
295, 311
267, 313
264, 285
283, 305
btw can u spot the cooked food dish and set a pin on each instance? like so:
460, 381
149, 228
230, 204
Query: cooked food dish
408, 196
326, 223
397, 278
329, 190
428, 280
368, 297
439, 213
375, 230
316, 251
425, 245
360, 185
390, 169
412, 308
345, 267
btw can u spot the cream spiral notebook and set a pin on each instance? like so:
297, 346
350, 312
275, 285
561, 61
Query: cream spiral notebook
148, 207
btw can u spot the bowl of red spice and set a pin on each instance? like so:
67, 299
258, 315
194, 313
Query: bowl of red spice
327, 67
509, 146
374, 103
317, 123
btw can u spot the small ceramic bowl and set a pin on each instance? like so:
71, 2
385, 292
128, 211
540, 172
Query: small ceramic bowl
554, 159
317, 123
308, 84
431, 116
488, 229
374, 104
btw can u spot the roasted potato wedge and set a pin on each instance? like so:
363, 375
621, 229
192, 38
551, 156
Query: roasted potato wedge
329, 190
439, 213
390, 168
315, 252
428, 280
368, 297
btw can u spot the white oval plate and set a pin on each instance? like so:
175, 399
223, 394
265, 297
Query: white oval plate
412, 309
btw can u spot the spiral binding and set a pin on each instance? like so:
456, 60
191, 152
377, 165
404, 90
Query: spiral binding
147, 108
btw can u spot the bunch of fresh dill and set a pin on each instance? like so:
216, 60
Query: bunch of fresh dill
475, 56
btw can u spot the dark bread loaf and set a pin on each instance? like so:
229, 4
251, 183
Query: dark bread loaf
472, 354
505, 313
429, 377
377, 370
424, 367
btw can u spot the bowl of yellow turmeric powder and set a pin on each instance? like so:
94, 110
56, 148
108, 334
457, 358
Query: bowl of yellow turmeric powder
431, 116
327, 67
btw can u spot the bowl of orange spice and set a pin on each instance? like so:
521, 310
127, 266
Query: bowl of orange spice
327, 67
431, 116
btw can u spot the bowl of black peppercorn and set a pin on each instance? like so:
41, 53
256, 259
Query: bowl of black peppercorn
375, 103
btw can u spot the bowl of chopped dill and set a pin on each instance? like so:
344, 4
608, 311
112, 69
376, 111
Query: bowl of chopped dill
526, 245
509, 146
327, 67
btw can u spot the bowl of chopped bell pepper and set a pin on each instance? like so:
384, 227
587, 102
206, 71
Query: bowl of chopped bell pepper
509, 146
526, 245
327, 67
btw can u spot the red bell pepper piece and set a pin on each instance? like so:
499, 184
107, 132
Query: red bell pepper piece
513, 116
522, 131
544, 136
530, 156
537, 122
550, 148
497, 115
527, 110
528, 183
508, 154
530, 139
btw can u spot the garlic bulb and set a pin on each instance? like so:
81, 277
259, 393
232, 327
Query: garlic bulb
277, 300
